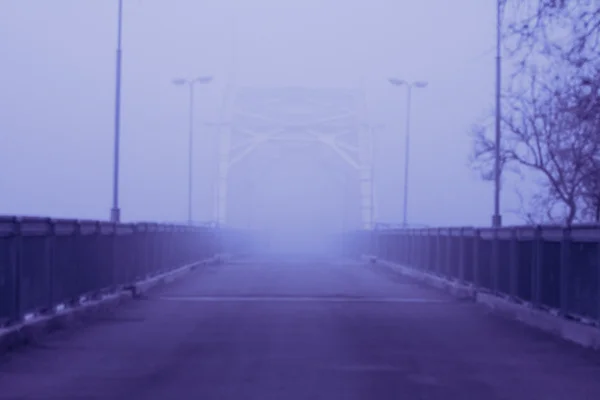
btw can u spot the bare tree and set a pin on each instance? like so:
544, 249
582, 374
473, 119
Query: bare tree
581, 99
544, 139
551, 126
565, 28
567, 32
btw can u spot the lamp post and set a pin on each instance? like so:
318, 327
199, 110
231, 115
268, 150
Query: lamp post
191, 83
115, 212
409, 87
497, 218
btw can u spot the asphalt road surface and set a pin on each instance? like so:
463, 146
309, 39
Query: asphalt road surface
304, 329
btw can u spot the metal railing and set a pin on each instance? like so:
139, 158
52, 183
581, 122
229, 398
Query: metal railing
549, 267
45, 263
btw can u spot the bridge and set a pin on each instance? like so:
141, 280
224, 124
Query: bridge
296, 299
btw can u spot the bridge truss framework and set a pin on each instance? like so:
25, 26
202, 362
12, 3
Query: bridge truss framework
287, 117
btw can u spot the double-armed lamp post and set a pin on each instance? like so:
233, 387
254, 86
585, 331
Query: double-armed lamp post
191, 84
409, 87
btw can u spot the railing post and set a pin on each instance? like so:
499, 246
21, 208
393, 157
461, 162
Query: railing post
78, 282
6, 270
536, 268
565, 266
114, 259
476, 257
597, 301
495, 264
147, 246
514, 264
148, 236
398, 238
411, 257
101, 272
428, 247
171, 250
438, 252
404, 244
598, 281
73, 262
15, 260
419, 253
447, 253
49, 250
18, 263
156, 249
461, 255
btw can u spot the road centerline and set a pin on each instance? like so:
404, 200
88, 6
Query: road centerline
305, 299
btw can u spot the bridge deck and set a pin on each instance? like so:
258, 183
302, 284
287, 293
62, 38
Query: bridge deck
300, 330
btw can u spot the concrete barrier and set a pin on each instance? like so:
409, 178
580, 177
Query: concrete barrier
34, 328
586, 335
573, 331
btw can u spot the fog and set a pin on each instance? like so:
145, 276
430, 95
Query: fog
57, 107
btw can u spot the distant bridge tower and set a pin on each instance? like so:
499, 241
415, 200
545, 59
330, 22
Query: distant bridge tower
268, 123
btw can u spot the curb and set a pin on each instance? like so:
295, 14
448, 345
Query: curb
456, 289
35, 328
142, 287
587, 336
584, 335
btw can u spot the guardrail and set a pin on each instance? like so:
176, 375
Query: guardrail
548, 267
45, 263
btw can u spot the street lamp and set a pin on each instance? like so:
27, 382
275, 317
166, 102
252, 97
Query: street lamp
497, 218
409, 87
115, 212
191, 83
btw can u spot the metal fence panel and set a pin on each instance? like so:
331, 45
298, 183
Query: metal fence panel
44, 262
550, 266
583, 276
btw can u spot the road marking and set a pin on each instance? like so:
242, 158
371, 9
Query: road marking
301, 299
368, 368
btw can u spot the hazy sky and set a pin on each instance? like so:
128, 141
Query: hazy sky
57, 96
